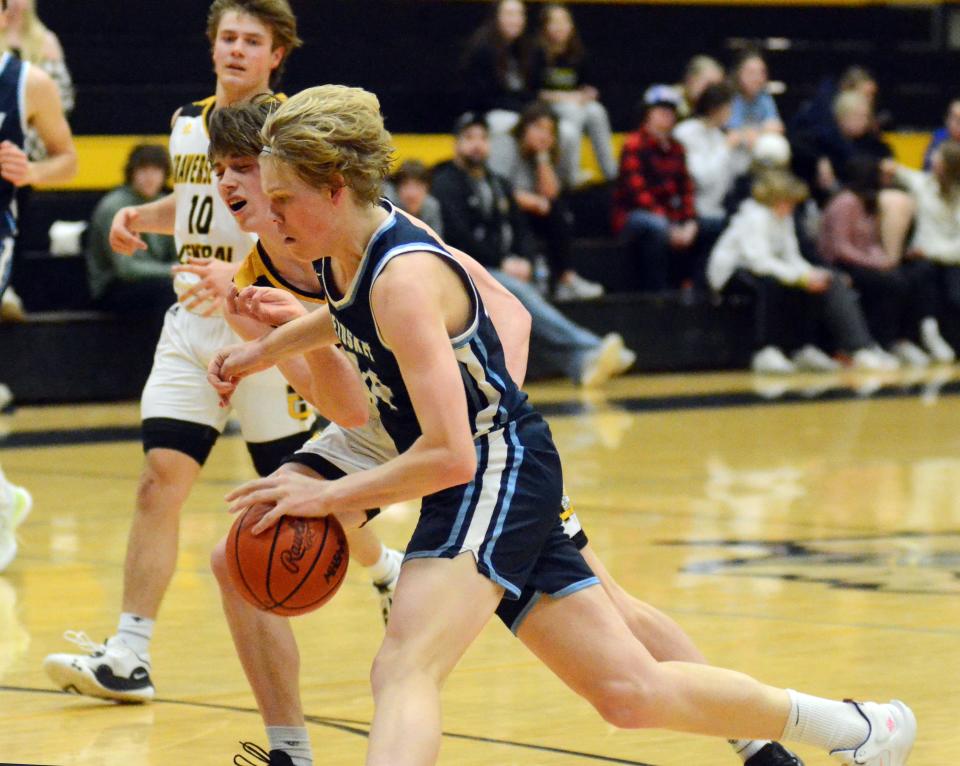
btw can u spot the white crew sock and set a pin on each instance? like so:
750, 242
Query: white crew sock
829, 724
387, 566
136, 632
294, 741
747, 748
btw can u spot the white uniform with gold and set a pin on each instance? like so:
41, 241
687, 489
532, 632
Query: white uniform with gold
177, 388
349, 449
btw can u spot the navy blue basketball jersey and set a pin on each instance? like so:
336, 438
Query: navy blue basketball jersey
493, 399
13, 126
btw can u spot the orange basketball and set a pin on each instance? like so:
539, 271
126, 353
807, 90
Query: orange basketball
292, 568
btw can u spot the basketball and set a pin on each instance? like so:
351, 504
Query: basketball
292, 568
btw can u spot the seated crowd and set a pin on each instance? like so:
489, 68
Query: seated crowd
847, 256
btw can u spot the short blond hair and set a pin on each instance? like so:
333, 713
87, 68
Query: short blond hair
332, 135
776, 185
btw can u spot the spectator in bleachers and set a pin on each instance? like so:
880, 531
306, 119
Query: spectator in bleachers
892, 288
496, 69
937, 239
816, 114
142, 281
700, 72
754, 110
481, 217
949, 132
759, 255
409, 188
530, 165
560, 74
653, 204
709, 150
822, 154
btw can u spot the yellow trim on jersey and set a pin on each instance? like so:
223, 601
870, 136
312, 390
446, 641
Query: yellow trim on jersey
255, 269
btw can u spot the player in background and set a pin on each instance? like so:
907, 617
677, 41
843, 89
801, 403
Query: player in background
28, 99
181, 417
265, 643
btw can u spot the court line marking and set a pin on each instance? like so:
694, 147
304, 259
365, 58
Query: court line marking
633, 404
359, 728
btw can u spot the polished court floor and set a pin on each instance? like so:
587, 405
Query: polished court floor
806, 531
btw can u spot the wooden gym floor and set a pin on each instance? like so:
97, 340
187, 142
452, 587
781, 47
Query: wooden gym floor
806, 531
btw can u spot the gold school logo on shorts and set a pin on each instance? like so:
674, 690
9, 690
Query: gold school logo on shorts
907, 562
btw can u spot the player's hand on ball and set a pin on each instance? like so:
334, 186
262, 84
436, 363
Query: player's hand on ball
14, 165
269, 305
123, 232
290, 494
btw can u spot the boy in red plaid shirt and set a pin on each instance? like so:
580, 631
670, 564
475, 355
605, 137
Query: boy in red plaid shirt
653, 206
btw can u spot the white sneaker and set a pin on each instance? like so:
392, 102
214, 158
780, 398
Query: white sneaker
385, 590
604, 362
893, 728
874, 360
15, 506
771, 361
625, 361
577, 289
110, 671
6, 396
910, 354
812, 359
933, 341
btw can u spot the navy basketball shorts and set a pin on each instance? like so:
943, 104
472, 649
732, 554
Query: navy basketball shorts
507, 518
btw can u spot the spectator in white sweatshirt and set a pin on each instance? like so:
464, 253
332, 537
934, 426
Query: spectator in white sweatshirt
758, 255
709, 149
936, 239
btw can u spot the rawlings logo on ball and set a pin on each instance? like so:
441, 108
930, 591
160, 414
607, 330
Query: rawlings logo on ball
303, 539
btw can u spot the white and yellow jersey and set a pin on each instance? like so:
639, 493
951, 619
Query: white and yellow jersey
204, 226
259, 271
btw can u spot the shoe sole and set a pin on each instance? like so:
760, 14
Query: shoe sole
74, 681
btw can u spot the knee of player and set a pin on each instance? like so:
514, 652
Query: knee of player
627, 702
218, 562
399, 665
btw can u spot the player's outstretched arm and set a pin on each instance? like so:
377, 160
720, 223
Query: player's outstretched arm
157, 217
418, 307
323, 377
230, 365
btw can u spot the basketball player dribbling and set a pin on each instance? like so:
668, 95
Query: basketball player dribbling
28, 98
265, 643
484, 463
181, 417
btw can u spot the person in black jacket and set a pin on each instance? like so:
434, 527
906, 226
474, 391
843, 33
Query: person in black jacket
480, 217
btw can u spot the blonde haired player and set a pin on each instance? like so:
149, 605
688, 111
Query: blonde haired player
181, 417
486, 468
265, 643
28, 100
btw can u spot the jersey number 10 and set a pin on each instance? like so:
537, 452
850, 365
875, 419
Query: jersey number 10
201, 214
